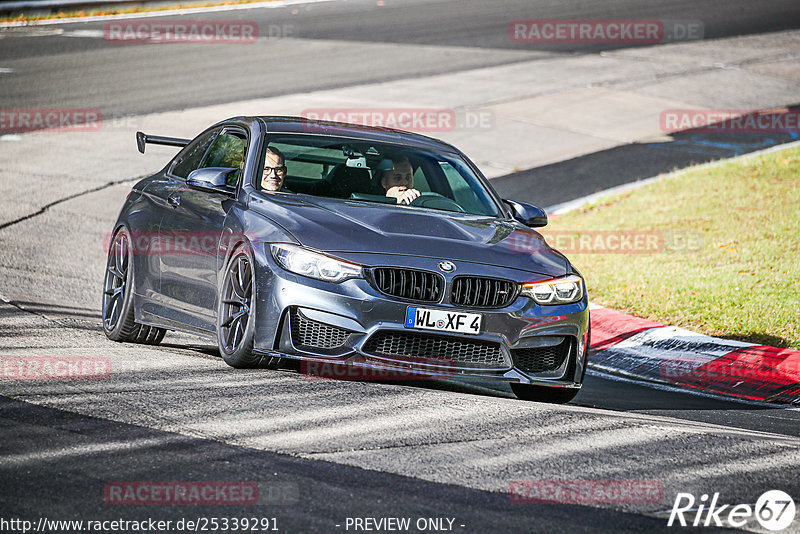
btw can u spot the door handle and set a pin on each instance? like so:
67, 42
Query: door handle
174, 201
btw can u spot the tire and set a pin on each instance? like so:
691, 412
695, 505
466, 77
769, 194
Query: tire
119, 323
236, 314
543, 393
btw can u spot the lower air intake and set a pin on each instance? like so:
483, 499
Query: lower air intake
435, 347
308, 334
541, 359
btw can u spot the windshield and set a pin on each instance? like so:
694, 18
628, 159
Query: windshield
374, 172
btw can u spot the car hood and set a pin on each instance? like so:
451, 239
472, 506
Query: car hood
338, 226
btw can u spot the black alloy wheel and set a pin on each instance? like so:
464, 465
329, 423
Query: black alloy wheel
119, 323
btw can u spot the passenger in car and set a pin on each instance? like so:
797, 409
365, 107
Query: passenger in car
274, 170
399, 182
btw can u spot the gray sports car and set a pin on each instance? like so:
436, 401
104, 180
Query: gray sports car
365, 248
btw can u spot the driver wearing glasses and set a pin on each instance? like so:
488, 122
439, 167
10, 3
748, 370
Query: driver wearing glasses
274, 170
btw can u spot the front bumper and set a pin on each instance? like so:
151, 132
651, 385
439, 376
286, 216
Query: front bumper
355, 324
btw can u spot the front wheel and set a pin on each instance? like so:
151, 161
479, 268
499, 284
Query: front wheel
529, 392
236, 314
118, 316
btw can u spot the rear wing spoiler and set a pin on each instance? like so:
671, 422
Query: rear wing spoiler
142, 139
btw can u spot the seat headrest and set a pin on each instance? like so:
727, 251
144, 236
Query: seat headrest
348, 180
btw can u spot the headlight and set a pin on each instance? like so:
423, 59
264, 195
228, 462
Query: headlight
563, 290
304, 262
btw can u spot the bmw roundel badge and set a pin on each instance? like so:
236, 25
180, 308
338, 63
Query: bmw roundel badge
447, 266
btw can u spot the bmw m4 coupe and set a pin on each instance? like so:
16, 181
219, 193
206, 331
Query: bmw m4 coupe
284, 238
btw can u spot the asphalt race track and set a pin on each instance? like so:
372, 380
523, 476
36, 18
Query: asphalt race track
323, 451
340, 44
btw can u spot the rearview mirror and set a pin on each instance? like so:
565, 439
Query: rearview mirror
527, 214
366, 163
211, 179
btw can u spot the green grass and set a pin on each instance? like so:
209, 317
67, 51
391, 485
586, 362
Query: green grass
739, 276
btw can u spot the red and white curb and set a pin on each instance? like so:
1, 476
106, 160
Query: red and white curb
633, 347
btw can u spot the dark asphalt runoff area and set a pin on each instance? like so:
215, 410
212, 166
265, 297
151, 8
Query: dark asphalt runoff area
56, 463
124, 79
553, 184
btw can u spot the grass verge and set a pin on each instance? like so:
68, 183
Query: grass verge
22, 17
714, 249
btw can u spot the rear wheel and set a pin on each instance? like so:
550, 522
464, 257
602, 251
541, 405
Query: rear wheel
543, 393
235, 314
118, 316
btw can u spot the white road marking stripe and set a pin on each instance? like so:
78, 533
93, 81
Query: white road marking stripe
4, 70
84, 33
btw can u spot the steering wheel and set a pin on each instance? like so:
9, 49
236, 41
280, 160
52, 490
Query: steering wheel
436, 201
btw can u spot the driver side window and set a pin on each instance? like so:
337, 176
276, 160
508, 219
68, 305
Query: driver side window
191, 158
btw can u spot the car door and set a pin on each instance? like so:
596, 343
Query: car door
144, 221
191, 233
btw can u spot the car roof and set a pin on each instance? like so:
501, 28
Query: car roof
299, 125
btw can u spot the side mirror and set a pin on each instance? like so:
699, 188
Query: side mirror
211, 179
527, 214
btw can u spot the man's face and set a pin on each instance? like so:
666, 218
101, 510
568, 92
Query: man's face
402, 175
272, 180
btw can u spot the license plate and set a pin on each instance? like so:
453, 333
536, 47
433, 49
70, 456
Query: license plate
443, 321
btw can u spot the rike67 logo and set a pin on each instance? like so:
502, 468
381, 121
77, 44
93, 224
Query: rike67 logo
774, 510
